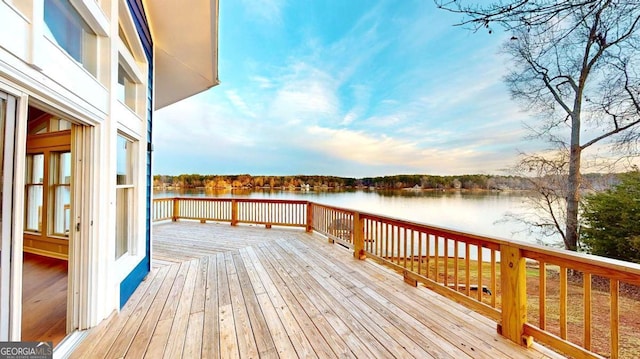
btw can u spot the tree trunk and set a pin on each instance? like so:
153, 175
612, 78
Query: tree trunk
573, 187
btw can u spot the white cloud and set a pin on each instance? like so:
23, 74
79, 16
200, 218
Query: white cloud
239, 103
196, 127
262, 82
269, 11
349, 118
384, 151
305, 94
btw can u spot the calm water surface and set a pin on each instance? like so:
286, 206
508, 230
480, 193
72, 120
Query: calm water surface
472, 212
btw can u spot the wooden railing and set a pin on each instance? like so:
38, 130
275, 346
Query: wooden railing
532, 292
241, 210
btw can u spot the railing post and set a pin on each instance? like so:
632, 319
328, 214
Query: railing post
234, 212
358, 237
176, 209
513, 281
309, 217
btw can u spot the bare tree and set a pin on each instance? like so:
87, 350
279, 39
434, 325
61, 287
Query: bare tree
576, 65
544, 210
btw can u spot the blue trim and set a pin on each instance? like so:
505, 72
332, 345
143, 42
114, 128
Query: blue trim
131, 282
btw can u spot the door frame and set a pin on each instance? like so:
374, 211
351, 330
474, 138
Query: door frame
13, 196
80, 311
48, 144
7, 216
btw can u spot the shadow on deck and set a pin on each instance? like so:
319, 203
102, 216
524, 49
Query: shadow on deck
222, 291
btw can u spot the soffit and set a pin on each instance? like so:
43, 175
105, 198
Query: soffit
185, 39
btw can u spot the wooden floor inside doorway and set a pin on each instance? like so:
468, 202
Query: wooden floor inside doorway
44, 298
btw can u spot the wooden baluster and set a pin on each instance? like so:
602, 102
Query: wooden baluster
563, 302
513, 285
467, 270
234, 212
176, 210
479, 249
446, 261
456, 280
309, 228
436, 257
368, 232
265, 216
404, 241
200, 212
396, 241
493, 278
387, 242
543, 295
358, 237
413, 250
427, 254
586, 294
614, 286
420, 253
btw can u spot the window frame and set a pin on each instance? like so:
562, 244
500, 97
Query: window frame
29, 184
132, 60
91, 14
55, 160
131, 206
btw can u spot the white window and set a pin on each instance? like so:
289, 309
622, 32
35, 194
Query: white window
71, 32
132, 64
34, 183
125, 194
127, 88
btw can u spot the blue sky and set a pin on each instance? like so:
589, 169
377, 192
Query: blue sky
348, 88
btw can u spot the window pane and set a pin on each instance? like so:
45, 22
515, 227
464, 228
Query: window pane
34, 176
122, 221
124, 155
61, 210
61, 165
124, 195
126, 91
60, 201
71, 32
58, 124
123, 37
35, 169
120, 90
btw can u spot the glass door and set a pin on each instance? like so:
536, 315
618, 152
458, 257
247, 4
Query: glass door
47, 217
7, 129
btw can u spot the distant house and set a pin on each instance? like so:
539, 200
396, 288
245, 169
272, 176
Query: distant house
79, 83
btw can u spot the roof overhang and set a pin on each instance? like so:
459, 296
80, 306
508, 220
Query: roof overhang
185, 39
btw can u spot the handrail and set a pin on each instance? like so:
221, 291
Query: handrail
507, 281
235, 210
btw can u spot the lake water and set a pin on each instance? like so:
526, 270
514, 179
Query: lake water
473, 212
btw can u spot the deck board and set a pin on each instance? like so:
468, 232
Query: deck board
282, 293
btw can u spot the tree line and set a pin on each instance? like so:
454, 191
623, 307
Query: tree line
468, 182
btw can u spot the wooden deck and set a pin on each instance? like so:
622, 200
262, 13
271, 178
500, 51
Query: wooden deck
218, 291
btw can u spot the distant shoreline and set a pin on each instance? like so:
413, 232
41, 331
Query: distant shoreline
408, 189
416, 182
